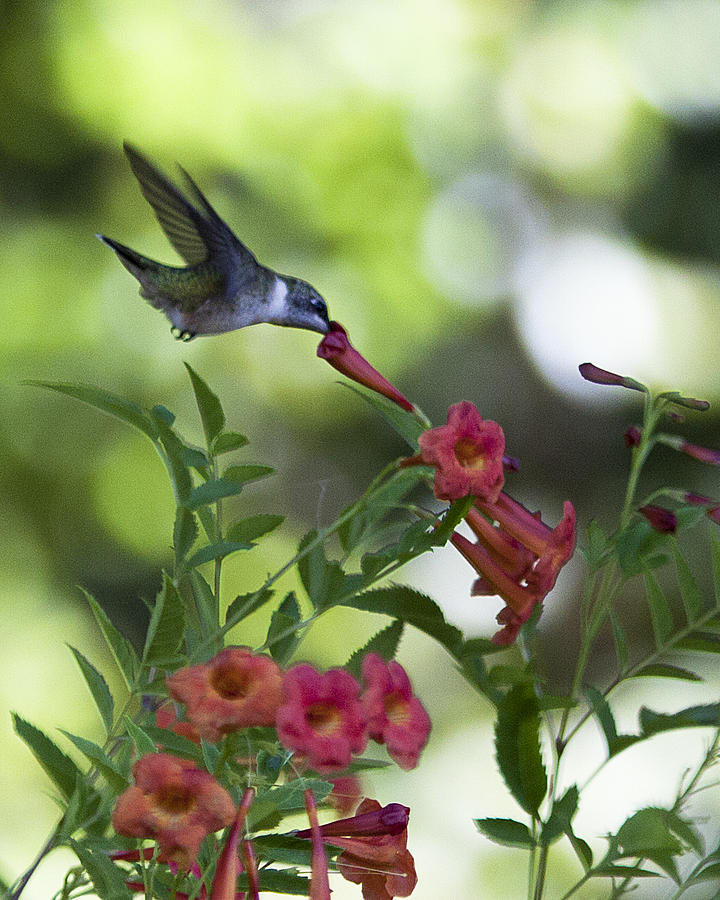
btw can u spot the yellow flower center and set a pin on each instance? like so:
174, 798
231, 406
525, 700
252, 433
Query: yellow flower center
230, 683
323, 718
466, 454
396, 709
174, 799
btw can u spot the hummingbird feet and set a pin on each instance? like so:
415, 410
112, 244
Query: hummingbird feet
181, 335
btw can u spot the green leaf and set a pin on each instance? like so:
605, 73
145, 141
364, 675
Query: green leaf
709, 873
218, 550
507, 832
689, 590
254, 527
582, 850
211, 491
98, 688
61, 770
452, 518
693, 716
100, 760
598, 549
144, 744
185, 533
282, 622
167, 625
196, 459
107, 878
660, 614
701, 641
613, 871
384, 643
121, 649
283, 881
122, 409
657, 834
600, 707
211, 411
171, 742
243, 474
399, 419
206, 605
620, 641
322, 579
560, 818
228, 440
715, 550
245, 604
663, 670
411, 606
173, 457
517, 746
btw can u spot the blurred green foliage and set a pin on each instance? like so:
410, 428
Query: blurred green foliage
487, 193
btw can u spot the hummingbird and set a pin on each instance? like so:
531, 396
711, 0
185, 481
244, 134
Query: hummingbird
223, 286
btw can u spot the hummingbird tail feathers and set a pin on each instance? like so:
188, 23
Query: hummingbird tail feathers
135, 263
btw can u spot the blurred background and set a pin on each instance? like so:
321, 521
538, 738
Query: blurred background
487, 194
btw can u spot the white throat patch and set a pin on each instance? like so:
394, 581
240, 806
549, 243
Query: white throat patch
276, 306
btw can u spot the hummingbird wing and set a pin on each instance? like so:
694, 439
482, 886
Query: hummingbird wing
197, 237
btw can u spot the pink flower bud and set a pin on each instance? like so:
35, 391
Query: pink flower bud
661, 519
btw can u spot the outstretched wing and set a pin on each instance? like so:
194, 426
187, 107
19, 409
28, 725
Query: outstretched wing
196, 236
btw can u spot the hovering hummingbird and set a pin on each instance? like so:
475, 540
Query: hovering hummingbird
223, 286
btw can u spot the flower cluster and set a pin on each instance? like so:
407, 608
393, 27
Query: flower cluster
516, 555
325, 718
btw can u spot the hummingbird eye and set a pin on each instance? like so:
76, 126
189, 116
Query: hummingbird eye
318, 303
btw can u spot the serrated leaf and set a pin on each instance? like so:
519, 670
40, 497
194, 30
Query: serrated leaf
322, 579
411, 606
517, 745
174, 743
173, 457
399, 419
700, 641
61, 770
689, 590
715, 551
663, 670
228, 440
660, 614
452, 518
100, 760
143, 743
245, 604
620, 641
693, 716
206, 605
167, 625
210, 408
121, 649
652, 833
561, 816
507, 832
109, 403
244, 474
598, 547
211, 491
107, 878
185, 533
384, 643
98, 688
582, 850
600, 707
283, 881
613, 871
218, 550
253, 527
281, 639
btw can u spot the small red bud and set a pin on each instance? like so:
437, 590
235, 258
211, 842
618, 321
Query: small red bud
661, 519
632, 436
597, 375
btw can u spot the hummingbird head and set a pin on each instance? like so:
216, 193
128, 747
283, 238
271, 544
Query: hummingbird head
304, 307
